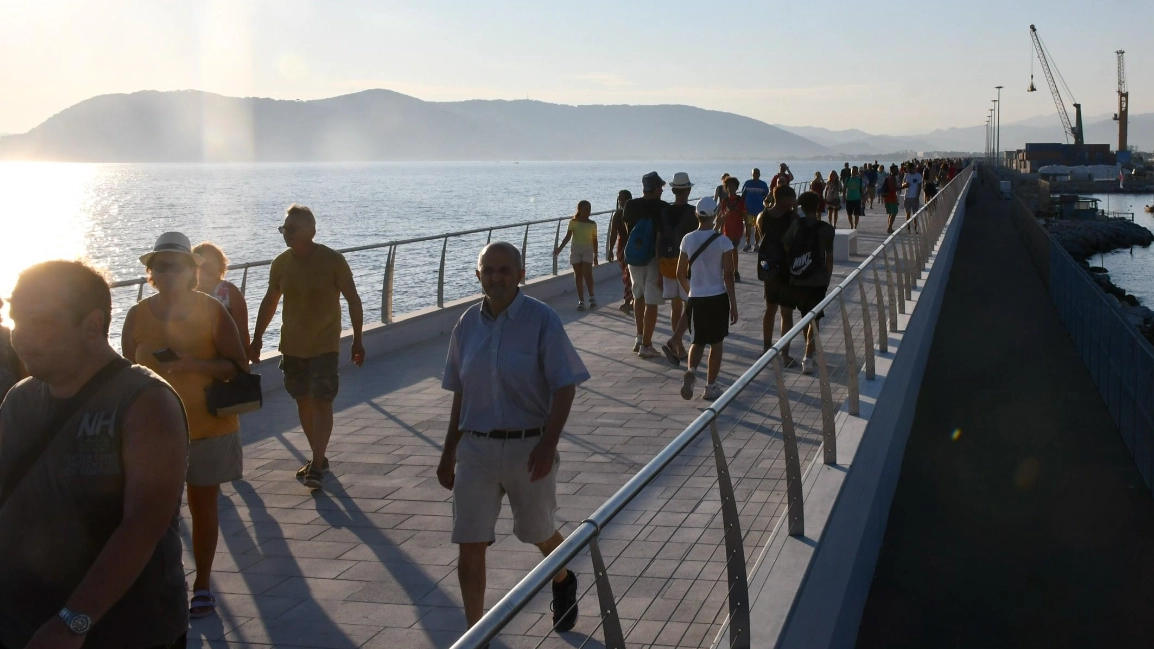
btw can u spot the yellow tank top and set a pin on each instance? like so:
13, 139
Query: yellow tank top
188, 338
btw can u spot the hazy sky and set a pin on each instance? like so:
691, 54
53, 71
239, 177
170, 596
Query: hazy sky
896, 68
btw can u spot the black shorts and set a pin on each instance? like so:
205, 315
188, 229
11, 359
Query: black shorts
777, 292
314, 377
710, 318
853, 207
805, 298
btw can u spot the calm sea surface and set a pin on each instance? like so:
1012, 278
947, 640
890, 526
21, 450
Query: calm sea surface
1133, 272
110, 214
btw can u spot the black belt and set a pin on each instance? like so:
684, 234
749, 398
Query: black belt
509, 434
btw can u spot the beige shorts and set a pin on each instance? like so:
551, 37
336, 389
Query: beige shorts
672, 289
645, 282
487, 469
215, 460
581, 255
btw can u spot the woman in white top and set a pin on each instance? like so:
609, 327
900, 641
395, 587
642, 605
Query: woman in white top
210, 279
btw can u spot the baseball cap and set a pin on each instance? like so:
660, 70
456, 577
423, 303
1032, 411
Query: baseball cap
651, 181
706, 208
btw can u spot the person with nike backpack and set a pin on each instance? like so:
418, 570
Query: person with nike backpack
808, 245
773, 267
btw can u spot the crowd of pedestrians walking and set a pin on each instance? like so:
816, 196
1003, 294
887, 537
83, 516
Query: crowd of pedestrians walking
96, 447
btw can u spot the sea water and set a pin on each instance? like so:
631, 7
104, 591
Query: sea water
1132, 270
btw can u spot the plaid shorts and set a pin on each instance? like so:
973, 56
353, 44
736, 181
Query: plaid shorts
314, 377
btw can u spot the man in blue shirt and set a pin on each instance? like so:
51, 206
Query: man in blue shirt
513, 372
754, 192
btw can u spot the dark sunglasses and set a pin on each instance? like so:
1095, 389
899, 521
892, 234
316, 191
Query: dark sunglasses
165, 266
287, 229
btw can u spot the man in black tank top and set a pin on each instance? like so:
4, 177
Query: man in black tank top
89, 548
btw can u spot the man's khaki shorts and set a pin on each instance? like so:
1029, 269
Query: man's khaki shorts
487, 469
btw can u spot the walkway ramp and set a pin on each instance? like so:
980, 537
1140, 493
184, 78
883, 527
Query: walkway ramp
1020, 519
368, 562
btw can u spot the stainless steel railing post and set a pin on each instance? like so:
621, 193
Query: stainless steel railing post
387, 287
524, 256
489, 238
734, 549
867, 328
610, 621
850, 358
899, 280
828, 433
556, 242
793, 498
140, 292
244, 281
883, 335
441, 274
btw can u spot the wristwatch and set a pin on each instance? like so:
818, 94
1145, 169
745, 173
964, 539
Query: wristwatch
78, 623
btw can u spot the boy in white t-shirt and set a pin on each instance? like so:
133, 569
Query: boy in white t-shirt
705, 269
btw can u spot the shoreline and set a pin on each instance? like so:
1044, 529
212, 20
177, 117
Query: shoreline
1084, 239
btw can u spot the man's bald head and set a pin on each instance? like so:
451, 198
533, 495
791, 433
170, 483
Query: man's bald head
500, 248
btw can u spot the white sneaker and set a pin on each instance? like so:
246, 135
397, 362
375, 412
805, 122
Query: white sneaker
712, 392
648, 351
687, 382
806, 366
581, 305
637, 344
592, 301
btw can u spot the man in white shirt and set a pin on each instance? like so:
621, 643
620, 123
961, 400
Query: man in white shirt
913, 187
705, 270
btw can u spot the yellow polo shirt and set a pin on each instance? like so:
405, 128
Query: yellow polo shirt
311, 320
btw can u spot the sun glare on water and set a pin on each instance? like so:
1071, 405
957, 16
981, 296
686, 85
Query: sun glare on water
46, 215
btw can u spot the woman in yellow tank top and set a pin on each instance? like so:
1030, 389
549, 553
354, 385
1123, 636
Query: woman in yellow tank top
583, 255
189, 339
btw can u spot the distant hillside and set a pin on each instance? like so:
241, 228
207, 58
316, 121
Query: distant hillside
190, 126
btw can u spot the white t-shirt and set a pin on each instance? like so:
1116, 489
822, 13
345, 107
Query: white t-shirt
915, 188
706, 272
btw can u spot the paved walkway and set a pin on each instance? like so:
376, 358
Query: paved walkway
1033, 528
368, 561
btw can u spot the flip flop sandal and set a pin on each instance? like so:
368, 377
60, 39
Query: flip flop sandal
671, 355
203, 604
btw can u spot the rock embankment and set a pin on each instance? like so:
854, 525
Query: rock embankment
1083, 239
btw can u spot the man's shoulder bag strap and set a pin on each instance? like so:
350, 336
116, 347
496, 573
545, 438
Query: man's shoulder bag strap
65, 413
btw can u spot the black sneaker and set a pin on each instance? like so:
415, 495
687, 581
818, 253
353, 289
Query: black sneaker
303, 471
565, 603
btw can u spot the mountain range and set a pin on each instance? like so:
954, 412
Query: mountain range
195, 126
190, 125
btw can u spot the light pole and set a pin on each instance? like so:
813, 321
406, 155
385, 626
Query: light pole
993, 145
998, 127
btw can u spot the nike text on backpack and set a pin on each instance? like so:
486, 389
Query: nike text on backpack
639, 248
806, 255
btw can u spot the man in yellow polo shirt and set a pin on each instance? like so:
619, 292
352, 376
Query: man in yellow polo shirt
311, 277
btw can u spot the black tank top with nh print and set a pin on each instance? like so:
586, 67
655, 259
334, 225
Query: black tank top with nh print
62, 513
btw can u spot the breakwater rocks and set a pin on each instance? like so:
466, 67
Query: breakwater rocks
1083, 239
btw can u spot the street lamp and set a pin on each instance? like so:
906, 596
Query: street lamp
993, 128
998, 127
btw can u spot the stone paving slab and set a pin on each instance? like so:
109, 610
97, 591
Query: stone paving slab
368, 562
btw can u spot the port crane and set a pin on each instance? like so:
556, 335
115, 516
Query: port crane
1074, 129
1123, 114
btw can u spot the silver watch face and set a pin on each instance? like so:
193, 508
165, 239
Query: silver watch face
79, 624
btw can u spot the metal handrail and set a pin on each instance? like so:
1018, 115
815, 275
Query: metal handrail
912, 251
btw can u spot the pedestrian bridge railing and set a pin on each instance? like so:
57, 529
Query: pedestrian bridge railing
406, 275
679, 576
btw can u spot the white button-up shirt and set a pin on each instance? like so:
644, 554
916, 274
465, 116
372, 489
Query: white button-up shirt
507, 368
